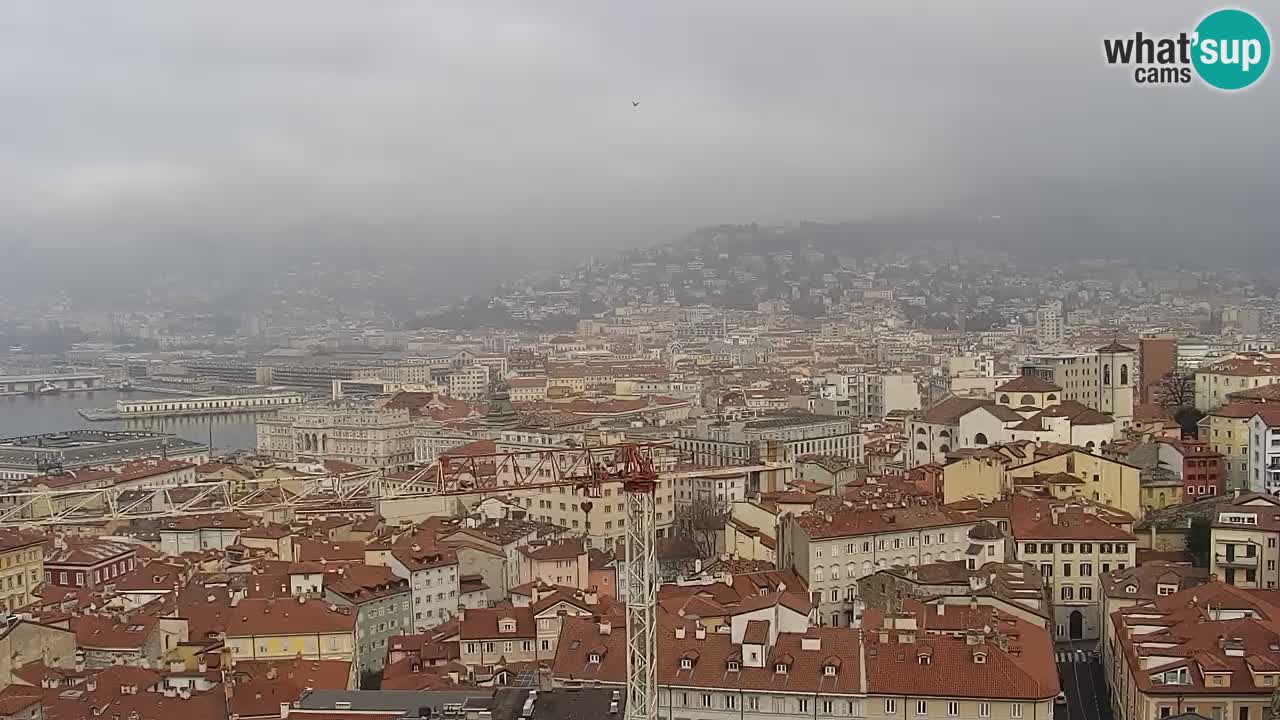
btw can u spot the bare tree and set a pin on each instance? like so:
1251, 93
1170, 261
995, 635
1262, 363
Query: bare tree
702, 520
1176, 390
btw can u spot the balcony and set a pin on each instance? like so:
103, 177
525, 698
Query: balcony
1236, 560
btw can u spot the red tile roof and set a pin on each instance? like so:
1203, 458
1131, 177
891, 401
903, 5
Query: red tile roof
254, 617
1029, 384
484, 623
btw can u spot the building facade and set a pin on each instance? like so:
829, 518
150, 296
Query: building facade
21, 568
352, 432
831, 551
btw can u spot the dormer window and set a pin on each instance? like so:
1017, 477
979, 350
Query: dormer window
780, 668
923, 659
507, 625
829, 670
980, 658
594, 658
686, 664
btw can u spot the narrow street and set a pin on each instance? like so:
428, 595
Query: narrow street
1083, 682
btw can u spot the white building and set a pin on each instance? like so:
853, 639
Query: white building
781, 438
1264, 451
1049, 324
470, 383
432, 572
831, 552
353, 432
873, 394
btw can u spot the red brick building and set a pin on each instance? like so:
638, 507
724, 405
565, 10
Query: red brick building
1202, 474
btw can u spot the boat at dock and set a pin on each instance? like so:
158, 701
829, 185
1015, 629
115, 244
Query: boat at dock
99, 414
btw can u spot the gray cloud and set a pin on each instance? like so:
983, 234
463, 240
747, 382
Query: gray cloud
255, 122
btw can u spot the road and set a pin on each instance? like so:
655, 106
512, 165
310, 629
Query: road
1084, 683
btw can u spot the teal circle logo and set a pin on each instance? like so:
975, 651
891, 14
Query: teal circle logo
1232, 49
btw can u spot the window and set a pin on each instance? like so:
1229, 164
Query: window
1104, 548
1046, 569
1066, 569
780, 668
1068, 548
1015, 710
686, 664
1086, 548
922, 708
753, 702
1067, 593
835, 594
706, 700
734, 666
828, 707
803, 705
829, 670
984, 709
731, 702
1086, 569
1086, 593
890, 706
1122, 548
1046, 548
953, 708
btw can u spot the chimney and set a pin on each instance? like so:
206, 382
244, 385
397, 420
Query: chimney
700, 632
680, 632
942, 608
606, 627
284, 710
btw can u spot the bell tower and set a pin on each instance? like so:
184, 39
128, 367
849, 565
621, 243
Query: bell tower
1116, 382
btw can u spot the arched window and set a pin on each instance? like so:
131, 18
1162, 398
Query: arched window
945, 434
920, 431
1089, 446
1027, 400
1050, 396
928, 558
1106, 374
944, 449
980, 439
1124, 374
1004, 399
921, 446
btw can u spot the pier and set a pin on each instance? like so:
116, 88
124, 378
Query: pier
194, 406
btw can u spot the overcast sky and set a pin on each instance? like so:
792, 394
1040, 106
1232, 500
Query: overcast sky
513, 120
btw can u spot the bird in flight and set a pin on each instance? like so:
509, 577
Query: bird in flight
635, 103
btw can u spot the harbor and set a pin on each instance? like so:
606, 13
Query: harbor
27, 414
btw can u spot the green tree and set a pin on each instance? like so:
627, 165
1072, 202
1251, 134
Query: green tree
1198, 541
1189, 418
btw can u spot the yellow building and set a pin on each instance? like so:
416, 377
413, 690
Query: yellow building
983, 474
21, 568
1110, 482
1226, 430
265, 629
